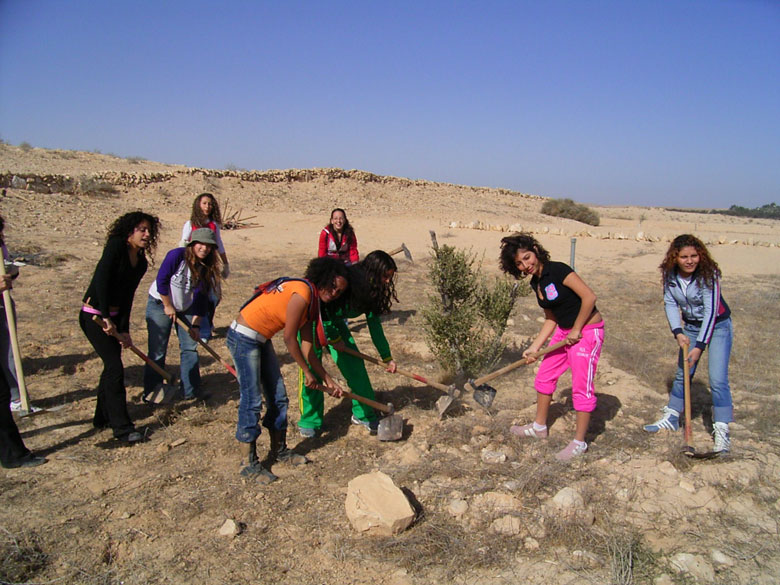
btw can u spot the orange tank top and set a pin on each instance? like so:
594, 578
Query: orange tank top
267, 313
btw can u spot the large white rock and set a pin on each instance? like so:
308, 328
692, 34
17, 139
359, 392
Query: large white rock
694, 565
374, 503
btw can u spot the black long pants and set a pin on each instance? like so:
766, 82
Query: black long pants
12, 447
111, 408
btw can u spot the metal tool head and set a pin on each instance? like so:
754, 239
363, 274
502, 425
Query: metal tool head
391, 427
689, 451
162, 393
484, 394
407, 253
443, 403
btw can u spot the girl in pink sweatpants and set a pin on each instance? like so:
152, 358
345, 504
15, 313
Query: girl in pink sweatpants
571, 317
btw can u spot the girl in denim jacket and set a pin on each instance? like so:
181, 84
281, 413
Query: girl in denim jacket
699, 318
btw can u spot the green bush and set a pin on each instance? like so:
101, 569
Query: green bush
25, 146
465, 319
570, 210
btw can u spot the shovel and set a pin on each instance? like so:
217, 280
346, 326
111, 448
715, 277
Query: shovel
689, 450
160, 395
484, 394
208, 348
450, 390
405, 250
391, 427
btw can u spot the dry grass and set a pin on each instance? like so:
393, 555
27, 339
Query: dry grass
21, 556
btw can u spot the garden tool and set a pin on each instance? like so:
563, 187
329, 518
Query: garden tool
484, 394
9, 314
405, 250
444, 400
208, 348
689, 450
162, 394
390, 428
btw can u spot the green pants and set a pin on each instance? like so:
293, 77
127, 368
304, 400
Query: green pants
312, 402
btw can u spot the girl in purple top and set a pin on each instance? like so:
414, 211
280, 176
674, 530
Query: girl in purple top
571, 315
181, 289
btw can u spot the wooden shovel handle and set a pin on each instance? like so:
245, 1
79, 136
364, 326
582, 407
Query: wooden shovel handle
166, 376
687, 389
209, 349
386, 408
9, 315
374, 360
517, 364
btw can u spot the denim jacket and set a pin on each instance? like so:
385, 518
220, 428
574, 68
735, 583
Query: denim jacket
701, 306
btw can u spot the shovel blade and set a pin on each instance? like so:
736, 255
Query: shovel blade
484, 395
162, 394
391, 428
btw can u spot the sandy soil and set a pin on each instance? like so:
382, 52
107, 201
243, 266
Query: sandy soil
101, 513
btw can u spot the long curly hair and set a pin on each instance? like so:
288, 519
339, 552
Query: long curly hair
706, 271
511, 245
321, 272
198, 218
369, 293
208, 270
125, 225
346, 231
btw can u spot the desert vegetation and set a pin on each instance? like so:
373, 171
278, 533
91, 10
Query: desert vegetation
570, 210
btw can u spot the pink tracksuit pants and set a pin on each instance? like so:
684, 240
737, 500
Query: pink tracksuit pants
582, 358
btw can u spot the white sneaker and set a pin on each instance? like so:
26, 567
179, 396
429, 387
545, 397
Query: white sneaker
720, 432
16, 406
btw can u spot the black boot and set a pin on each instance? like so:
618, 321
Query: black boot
281, 452
253, 469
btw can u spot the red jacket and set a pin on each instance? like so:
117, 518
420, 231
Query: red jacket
346, 250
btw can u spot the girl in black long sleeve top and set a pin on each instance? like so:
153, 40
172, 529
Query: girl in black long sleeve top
130, 239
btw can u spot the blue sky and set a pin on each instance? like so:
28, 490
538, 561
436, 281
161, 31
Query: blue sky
637, 102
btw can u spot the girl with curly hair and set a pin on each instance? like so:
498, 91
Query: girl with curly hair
181, 289
372, 292
338, 240
130, 244
571, 315
206, 214
699, 318
290, 305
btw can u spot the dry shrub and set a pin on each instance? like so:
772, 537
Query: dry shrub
95, 188
570, 210
438, 543
21, 556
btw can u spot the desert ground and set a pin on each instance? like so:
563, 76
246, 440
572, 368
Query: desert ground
103, 513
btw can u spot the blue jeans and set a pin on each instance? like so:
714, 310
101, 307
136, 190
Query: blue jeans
719, 352
159, 326
256, 365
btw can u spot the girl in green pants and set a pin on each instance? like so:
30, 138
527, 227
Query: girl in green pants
372, 286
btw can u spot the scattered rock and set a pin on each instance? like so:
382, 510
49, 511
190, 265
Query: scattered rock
663, 579
530, 543
694, 565
687, 486
458, 507
178, 442
230, 528
493, 456
509, 525
375, 504
495, 502
667, 468
721, 559
567, 499
163, 448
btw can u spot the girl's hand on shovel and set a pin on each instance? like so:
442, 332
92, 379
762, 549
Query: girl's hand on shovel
109, 328
682, 340
391, 367
332, 388
124, 340
530, 355
693, 356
